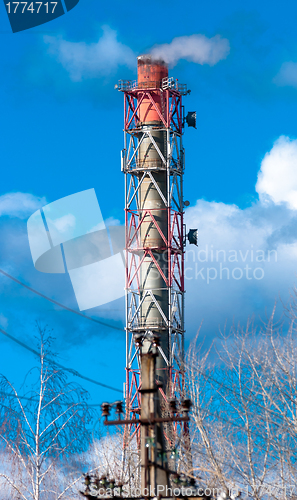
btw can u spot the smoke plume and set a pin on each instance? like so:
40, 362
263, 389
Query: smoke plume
194, 48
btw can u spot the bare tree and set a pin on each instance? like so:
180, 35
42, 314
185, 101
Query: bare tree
45, 427
107, 458
244, 411
275, 369
244, 418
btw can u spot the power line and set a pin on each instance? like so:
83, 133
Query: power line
74, 372
59, 304
26, 398
70, 370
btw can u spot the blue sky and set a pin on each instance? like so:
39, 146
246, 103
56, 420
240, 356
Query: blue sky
61, 133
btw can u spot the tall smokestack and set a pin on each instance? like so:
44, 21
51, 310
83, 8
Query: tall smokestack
153, 164
152, 204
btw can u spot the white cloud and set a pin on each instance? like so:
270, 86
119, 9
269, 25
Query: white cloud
112, 221
277, 177
19, 205
65, 223
257, 244
93, 60
194, 48
287, 75
247, 258
98, 283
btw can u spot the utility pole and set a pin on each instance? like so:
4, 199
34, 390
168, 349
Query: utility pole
157, 479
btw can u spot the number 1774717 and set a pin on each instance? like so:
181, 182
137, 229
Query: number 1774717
12, 7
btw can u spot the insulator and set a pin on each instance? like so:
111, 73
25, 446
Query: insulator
172, 405
102, 481
105, 409
192, 481
183, 480
176, 478
119, 407
96, 482
111, 484
156, 339
87, 479
186, 405
149, 442
174, 454
138, 338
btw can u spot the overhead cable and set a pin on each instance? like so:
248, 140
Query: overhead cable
70, 370
59, 304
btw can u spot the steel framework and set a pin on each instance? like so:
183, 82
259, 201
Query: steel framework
155, 238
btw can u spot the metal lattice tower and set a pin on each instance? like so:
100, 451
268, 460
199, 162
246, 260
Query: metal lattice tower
153, 164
